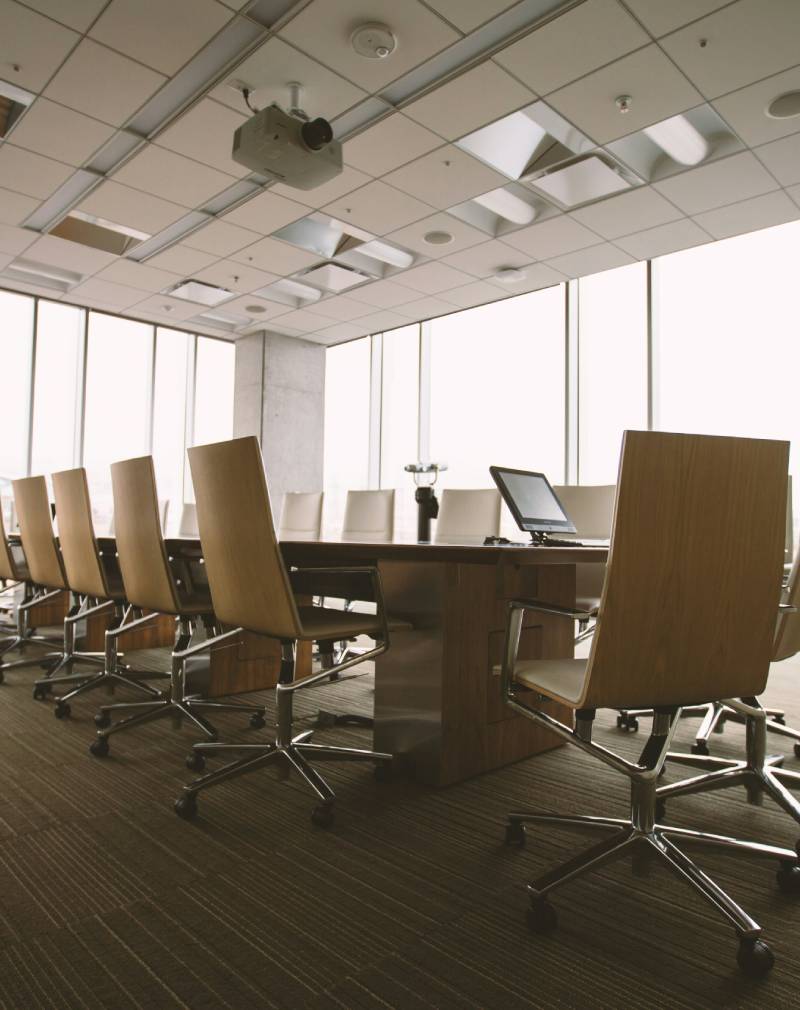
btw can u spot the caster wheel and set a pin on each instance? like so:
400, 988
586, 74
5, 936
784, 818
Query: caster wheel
99, 747
257, 721
384, 772
755, 958
102, 719
186, 806
796, 746
780, 719
195, 762
62, 710
701, 747
661, 810
40, 692
542, 917
788, 877
515, 834
627, 723
322, 816
325, 720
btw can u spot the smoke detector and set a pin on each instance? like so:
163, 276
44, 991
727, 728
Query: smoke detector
373, 41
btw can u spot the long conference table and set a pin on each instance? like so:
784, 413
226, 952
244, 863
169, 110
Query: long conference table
438, 707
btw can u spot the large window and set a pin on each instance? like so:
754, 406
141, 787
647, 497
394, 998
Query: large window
214, 385
612, 386
497, 389
16, 340
173, 349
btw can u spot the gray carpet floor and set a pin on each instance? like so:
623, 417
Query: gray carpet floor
411, 900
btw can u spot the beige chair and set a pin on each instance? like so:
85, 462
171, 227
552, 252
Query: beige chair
369, 516
301, 516
468, 516
96, 588
685, 564
42, 570
151, 586
253, 591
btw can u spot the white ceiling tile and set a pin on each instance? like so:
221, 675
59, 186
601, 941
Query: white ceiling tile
79, 83
276, 257
266, 213
220, 238
95, 290
340, 332
15, 240
344, 309
243, 303
181, 259
782, 158
235, 276
323, 30
384, 294
657, 88
469, 295
666, 238
749, 215
489, 257
48, 128
161, 35
58, 252
659, 17
205, 133
392, 142
590, 261
268, 71
641, 208
137, 275
305, 320
346, 182
426, 308
552, 238
745, 110
131, 207
469, 101
579, 41
745, 41
167, 309
537, 276
467, 15
794, 193
377, 322
446, 177
378, 208
431, 278
171, 176
29, 173
37, 45
413, 236
77, 14
14, 207
276, 326
718, 183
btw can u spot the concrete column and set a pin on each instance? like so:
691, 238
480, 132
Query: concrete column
280, 397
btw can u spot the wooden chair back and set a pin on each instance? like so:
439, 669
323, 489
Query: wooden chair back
36, 532
369, 515
468, 515
79, 551
143, 559
694, 571
8, 568
301, 516
246, 574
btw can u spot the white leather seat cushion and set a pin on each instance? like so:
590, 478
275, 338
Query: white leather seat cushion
562, 679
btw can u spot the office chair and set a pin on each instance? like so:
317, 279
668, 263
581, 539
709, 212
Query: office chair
150, 586
468, 516
591, 509
42, 571
663, 640
96, 588
369, 515
301, 516
253, 591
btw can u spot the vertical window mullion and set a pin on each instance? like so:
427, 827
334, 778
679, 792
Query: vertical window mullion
424, 415
80, 399
32, 389
652, 345
375, 411
572, 446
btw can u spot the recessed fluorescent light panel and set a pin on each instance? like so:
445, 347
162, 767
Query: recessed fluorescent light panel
527, 141
333, 278
323, 236
229, 321
675, 144
31, 272
98, 233
503, 210
199, 291
13, 102
592, 177
290, 292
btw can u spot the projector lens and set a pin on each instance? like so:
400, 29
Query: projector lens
316, 134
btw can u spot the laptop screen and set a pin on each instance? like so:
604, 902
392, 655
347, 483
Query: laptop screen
532, 501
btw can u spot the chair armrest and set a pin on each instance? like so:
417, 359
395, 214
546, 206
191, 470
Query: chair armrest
552, 608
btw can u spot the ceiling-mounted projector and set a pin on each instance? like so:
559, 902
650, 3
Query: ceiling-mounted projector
288, 147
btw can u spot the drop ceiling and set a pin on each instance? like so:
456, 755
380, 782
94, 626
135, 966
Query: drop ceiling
133, 118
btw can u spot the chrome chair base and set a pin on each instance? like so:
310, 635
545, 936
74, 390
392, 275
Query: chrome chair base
714, 715
293, 756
